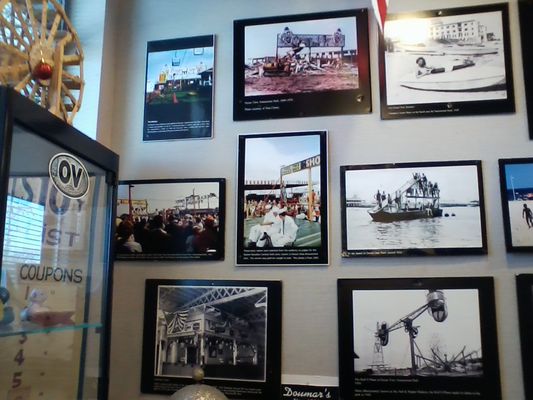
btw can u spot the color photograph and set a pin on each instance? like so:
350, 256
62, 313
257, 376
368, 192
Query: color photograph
412, 209
289, 66
179, 89
516, 179
231, 329
416, 338
448, 59
283, 199
170, 220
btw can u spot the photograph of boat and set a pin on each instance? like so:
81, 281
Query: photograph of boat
446, 62
404, 209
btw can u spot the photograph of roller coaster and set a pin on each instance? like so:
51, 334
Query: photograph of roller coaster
413, 338
282, 196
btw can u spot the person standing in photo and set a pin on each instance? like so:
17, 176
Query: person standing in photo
528, 215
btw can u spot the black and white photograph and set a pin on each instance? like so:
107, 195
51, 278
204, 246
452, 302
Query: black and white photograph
426, 208
446, 62
302, 65
282, 199
172, 219
516, 182
414, 338
525, 12
524, 288
228, 328
179, 89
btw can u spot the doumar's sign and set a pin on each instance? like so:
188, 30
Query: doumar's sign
69, 175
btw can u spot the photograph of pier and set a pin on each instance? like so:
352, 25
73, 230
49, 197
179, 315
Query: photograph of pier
398, 209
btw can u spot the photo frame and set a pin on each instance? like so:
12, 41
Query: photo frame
232, 329
282, 199
424, 208
170, 219
524, 289
516, 188
416, 338
301, 66
179, 86
525, 12
446, 62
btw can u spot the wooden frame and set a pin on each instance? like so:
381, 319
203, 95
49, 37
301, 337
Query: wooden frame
426, 208
171, 219
449, 325
446, 62
301, 65
232, 329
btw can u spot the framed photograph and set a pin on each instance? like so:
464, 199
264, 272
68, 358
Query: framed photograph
516, 187
178, 101
445, 62
426, 208
301, 66
170, 219
524, 287
525, 9
282, 198
232, 329
418, 338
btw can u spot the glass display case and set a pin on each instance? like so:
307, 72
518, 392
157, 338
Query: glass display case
57, 187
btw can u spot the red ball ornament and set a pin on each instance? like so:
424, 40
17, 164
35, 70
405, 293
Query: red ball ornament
42, 71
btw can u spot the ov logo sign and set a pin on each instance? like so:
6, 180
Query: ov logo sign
69, 175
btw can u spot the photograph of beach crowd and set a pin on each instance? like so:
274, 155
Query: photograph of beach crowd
179, 219
453, 56
516, 177
424, 208
282, 192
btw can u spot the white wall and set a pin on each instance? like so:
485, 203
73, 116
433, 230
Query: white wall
88, 18
309, 293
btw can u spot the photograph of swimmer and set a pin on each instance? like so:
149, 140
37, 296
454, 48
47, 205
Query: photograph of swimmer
282, 198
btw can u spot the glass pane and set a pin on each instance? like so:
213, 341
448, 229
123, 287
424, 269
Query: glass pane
54, 269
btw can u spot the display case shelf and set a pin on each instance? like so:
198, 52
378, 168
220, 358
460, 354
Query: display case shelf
30, 329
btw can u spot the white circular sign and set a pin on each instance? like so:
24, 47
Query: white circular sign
69, 175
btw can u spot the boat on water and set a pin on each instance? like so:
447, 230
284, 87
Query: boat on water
474, 78
416, 199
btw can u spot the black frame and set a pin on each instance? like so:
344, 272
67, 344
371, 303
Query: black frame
446, 104
412, 387
266, 389
216, 253
180, 119
524, 292
399, 251
525, 12
504, 191
333, 102
17, 109
296, 255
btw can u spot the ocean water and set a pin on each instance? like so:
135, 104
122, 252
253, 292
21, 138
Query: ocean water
461, 230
